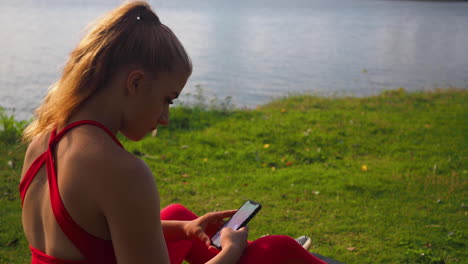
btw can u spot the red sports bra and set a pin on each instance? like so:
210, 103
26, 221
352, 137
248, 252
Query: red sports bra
94, 249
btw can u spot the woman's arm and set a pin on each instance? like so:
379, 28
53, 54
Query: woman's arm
174, 230
130, 203
195, 229
233, 242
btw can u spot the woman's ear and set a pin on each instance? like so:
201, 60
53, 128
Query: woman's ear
134, 81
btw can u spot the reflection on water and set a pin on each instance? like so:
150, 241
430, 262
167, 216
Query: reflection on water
253, 52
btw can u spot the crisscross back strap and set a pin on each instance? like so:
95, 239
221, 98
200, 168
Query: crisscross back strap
91, 247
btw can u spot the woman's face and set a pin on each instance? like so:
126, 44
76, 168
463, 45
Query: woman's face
149, 100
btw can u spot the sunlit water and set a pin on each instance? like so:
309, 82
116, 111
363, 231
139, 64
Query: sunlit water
256, 50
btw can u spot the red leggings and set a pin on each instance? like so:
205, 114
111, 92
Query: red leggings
267, 249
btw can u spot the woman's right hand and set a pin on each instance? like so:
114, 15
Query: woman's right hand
234, 239
233, 243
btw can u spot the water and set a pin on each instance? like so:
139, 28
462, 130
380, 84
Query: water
256, 50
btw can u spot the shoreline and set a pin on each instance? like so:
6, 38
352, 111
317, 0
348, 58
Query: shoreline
200, 100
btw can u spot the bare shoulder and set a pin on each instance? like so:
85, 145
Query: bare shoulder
127, 185
35, 148
123, 174
105, 165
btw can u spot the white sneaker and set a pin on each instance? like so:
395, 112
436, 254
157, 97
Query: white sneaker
304, 241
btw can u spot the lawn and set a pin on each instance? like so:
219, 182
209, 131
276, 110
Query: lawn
379, 179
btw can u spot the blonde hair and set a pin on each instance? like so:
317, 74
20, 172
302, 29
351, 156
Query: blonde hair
128, 35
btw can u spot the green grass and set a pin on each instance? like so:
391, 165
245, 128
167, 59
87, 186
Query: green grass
302, 158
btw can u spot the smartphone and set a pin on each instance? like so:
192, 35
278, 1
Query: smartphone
245, 213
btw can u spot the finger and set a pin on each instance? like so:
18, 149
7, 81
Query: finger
226, 229
221, 215
213, 249
205, 239
244, 229
221, 222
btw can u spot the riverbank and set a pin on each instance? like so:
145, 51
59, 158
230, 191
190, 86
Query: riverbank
380, 179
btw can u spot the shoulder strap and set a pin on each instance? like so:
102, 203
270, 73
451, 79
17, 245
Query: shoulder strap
54, 140
29, 176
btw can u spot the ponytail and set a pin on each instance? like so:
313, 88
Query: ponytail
131, 34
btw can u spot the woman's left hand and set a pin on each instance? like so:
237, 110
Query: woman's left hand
195, 229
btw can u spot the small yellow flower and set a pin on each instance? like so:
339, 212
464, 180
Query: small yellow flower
273, 168
364, 167
266, 146
283, 110
205, 160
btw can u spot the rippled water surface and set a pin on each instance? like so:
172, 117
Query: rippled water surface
256, 50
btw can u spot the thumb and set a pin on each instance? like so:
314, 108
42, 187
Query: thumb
245, 228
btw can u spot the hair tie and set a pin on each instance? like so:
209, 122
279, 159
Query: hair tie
148, 18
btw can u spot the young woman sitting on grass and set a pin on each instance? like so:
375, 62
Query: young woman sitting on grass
87, 200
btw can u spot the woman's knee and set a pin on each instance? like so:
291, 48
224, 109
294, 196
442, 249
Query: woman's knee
275, 242
275, 249
177, 212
